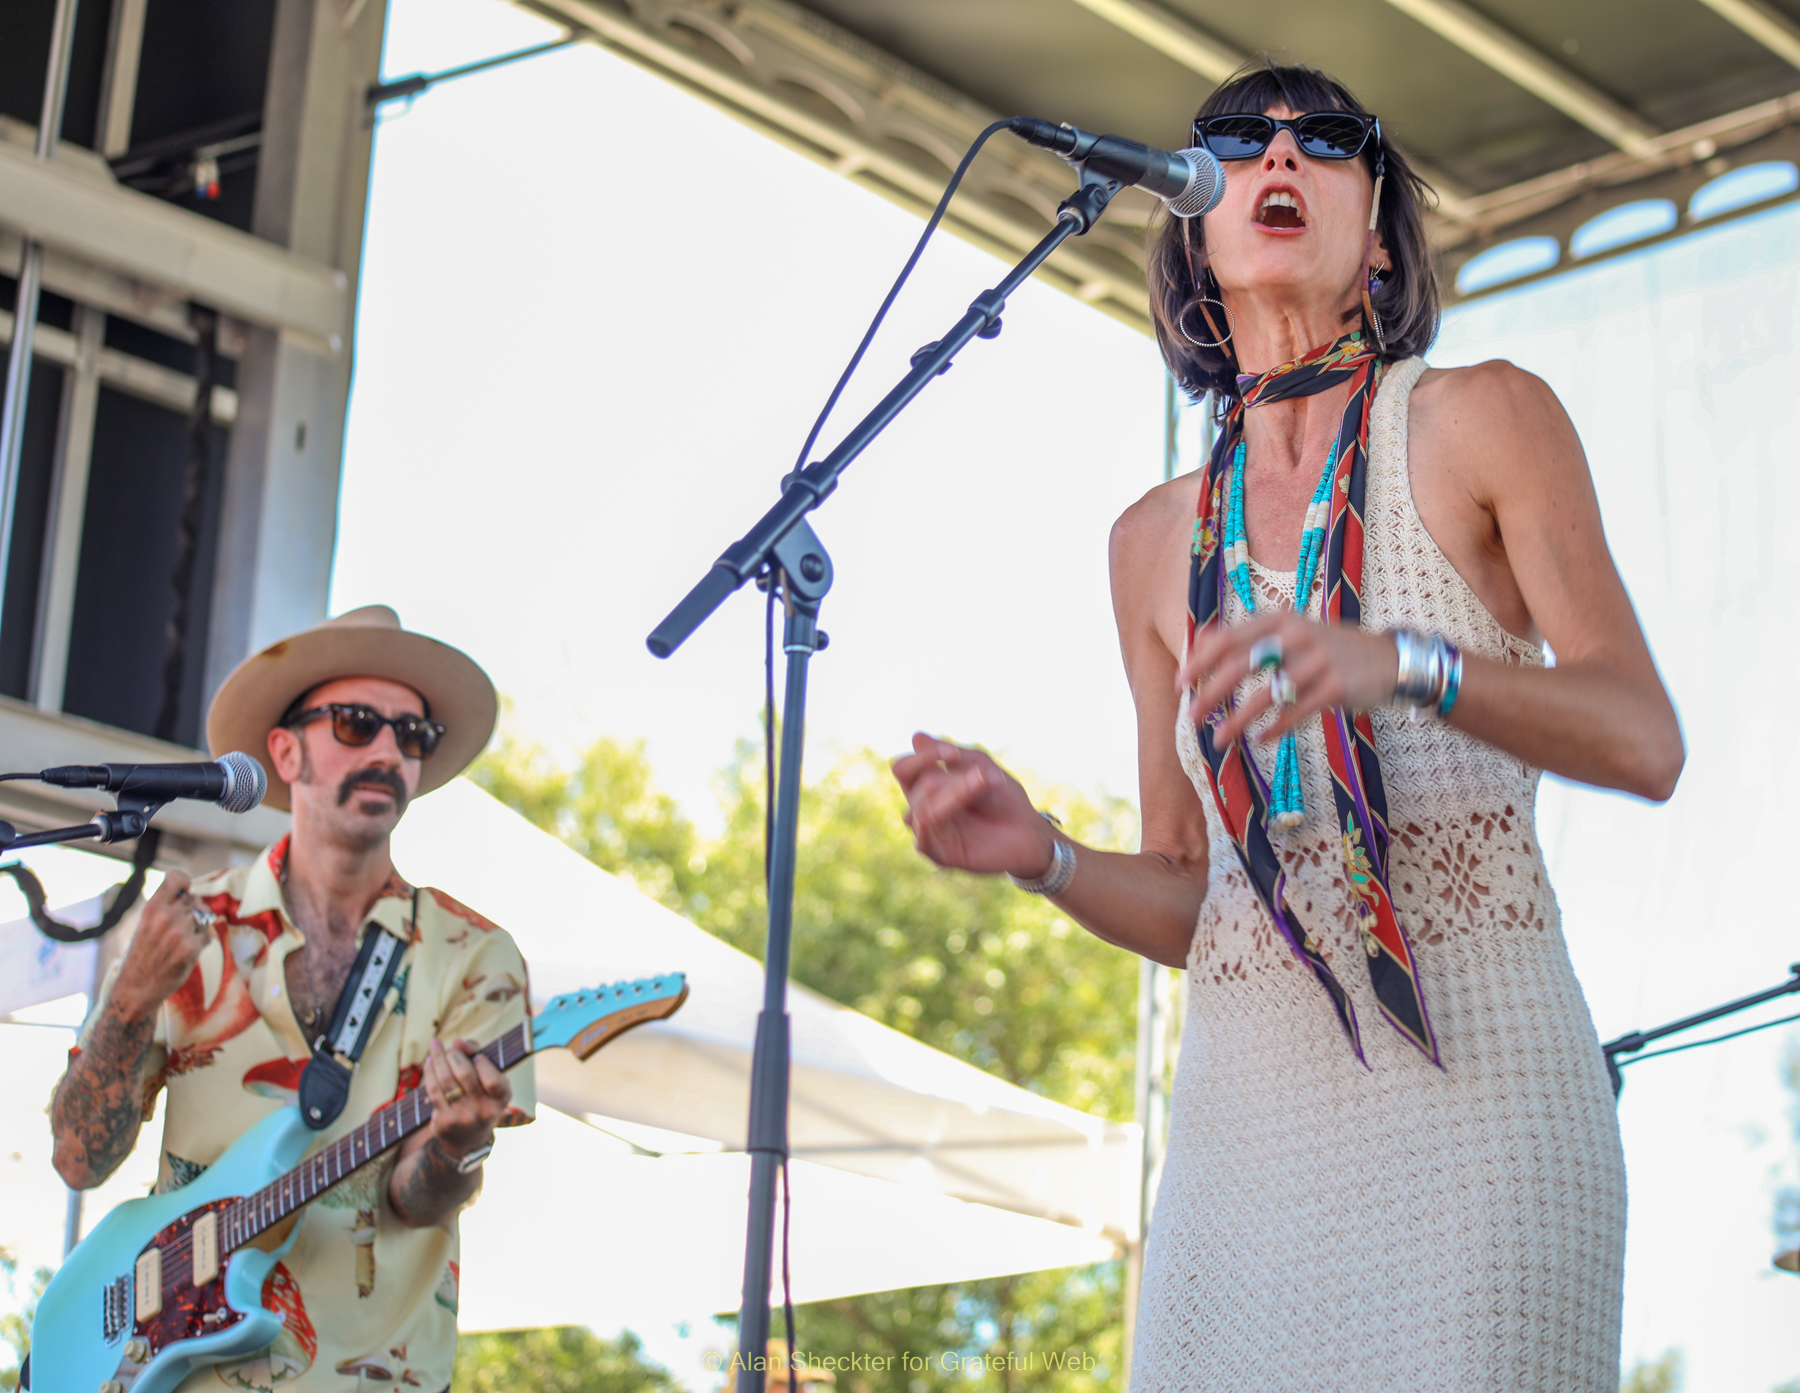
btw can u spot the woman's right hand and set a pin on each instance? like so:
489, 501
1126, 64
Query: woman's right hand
969, 814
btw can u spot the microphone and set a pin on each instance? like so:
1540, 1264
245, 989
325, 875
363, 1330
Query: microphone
1190, 181
234, 781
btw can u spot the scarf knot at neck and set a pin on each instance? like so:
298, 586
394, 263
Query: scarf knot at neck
1317, 370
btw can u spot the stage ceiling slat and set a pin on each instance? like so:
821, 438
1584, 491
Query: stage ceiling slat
1530, 116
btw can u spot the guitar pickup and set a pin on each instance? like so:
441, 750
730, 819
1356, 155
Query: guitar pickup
149, 1283
205, 1240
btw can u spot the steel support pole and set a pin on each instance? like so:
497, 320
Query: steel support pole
31, 273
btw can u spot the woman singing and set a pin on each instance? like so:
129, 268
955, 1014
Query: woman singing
1393, 1159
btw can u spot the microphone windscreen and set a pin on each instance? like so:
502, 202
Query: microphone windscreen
245, 782
1205, 186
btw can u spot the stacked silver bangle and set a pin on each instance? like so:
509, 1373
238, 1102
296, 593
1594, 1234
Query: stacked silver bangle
1430, 675
1055, 880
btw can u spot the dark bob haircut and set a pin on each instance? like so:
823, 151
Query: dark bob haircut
1407, 300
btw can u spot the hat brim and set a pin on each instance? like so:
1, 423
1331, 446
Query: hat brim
262, 687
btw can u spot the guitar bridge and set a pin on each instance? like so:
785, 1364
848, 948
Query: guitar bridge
115, 1308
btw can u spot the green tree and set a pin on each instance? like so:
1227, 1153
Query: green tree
963, 963
604, 807
1662, 1375
15, 1326
565, 1359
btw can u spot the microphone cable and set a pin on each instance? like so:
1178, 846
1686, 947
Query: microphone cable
769, 790
1711, 1040
931, 226
123, 896
812, 438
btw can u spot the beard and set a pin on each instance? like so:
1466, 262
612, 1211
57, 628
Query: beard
373, 776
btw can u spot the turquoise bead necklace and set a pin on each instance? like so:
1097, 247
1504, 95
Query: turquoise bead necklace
1287, 808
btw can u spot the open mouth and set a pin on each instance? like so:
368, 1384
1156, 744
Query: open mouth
1279, 209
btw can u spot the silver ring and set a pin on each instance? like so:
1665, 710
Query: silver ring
1264, 653
203, 917
1282, 689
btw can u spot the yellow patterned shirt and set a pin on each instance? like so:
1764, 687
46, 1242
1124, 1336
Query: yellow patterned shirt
367, 1300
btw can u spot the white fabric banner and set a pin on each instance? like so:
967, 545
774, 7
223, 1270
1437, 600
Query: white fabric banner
35, 969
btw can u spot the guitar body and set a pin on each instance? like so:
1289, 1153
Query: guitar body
93, 1334
86, 1317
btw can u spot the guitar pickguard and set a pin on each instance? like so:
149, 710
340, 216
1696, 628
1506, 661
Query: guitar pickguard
188, 1312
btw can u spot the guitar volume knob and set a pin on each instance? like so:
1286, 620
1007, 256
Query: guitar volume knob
112, 1385
137, 1350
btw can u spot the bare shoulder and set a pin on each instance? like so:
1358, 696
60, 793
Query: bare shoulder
1489, 406
1144, 532
1496, 426
1148, 557
1491, 396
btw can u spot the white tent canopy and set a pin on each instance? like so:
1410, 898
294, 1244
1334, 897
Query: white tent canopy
912, 1159
627, 1198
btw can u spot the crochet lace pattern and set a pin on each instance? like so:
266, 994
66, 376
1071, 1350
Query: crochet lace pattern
1401, 1227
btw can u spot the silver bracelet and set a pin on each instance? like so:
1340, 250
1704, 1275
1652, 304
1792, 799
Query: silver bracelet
1055, 880
1426, 668
471, 1162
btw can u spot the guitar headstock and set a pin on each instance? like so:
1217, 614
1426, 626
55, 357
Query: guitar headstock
583, 1021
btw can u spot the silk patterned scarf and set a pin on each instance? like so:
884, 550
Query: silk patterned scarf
1239, 787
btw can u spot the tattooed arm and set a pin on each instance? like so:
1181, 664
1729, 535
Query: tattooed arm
98, 1107
468, 1097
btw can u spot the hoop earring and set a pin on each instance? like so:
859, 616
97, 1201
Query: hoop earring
1202, 302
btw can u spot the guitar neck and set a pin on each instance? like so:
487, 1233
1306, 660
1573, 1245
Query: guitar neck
253, 1214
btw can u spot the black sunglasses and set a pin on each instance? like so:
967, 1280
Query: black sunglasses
1325, 135
359, 725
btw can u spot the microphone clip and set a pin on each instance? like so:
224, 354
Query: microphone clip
131, 818
1087, 203
128, 820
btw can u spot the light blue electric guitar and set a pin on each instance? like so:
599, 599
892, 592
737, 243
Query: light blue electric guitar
172, 1283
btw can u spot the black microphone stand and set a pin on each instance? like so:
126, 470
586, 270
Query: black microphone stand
782, 542
1637, 1039
131, 818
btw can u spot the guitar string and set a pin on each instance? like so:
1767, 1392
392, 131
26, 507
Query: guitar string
241, 1213
242, 1210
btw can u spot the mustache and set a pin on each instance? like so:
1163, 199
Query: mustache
373, 774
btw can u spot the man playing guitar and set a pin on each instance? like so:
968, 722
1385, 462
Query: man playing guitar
228, 983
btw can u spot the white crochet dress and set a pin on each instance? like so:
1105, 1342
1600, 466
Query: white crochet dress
1396, 1229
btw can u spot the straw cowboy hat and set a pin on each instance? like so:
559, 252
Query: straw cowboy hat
366, 642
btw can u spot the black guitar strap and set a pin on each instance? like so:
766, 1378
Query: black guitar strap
325, 1082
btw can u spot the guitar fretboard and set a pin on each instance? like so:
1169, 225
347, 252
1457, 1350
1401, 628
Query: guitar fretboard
251, 1215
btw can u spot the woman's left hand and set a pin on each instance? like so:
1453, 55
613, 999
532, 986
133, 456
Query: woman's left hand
1328, 664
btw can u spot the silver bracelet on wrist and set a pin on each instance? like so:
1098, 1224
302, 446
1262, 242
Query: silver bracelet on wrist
472, 1161
1055, 880
1429, 675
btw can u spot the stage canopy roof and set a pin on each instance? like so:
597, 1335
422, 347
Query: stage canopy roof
1586, 126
